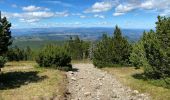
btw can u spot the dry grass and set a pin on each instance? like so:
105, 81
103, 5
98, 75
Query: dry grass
22, 81
124, 75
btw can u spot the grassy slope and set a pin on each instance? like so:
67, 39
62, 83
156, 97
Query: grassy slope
125, 76
23, 81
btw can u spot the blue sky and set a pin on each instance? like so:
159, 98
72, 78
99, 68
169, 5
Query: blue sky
140, 14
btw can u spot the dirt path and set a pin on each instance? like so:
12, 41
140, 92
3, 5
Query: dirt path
89, 83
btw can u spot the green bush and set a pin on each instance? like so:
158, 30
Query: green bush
18, 54
3, 60
54, 56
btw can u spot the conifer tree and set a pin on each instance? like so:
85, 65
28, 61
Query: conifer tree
122, 48
138, 55
5, 35
5, 39
103, 53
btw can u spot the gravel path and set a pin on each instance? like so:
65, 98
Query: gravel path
89, 83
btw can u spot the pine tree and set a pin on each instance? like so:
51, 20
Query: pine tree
5, 35
138, 56
154, 54
122, 48
5, 39
103, 53
163, 33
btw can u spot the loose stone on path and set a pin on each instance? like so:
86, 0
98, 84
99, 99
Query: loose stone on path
90, 83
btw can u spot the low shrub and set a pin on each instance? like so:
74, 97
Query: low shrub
54, 56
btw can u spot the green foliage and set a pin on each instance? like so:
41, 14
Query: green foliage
78, 49
18, 54
103, 52
5, 39
3, 60
154, 55
163, 32
110, 51
138, 56
5, 35
154, 49
122, 48
54, 56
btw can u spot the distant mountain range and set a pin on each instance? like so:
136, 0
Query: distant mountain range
63, 33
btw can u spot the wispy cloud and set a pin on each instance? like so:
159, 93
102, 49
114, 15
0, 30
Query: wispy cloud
83, 16
59, 3
99, 16
14, 5
79, 14
31, 8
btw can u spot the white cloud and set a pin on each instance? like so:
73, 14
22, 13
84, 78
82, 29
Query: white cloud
82, 16
99, 16
61, 14
59, 3
35, 16
160, 6
147, 5
124, 8
99, 7
76, 14
118, 14
34, 8
102, 23
79, 14
29, 20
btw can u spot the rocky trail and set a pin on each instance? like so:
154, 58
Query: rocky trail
89, 83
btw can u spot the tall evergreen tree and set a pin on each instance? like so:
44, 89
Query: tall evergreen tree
5, 39
163, 31
138, 55
5, 35
163, 34
103, 53
122, 48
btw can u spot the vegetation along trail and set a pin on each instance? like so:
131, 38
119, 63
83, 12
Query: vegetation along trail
89, 83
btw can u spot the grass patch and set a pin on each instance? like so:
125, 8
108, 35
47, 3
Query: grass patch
21, 80
126, 76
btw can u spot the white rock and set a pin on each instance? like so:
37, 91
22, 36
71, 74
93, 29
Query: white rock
135, 91
100, 84
87, 93
73, 78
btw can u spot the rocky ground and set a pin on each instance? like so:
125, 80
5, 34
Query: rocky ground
89, 83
